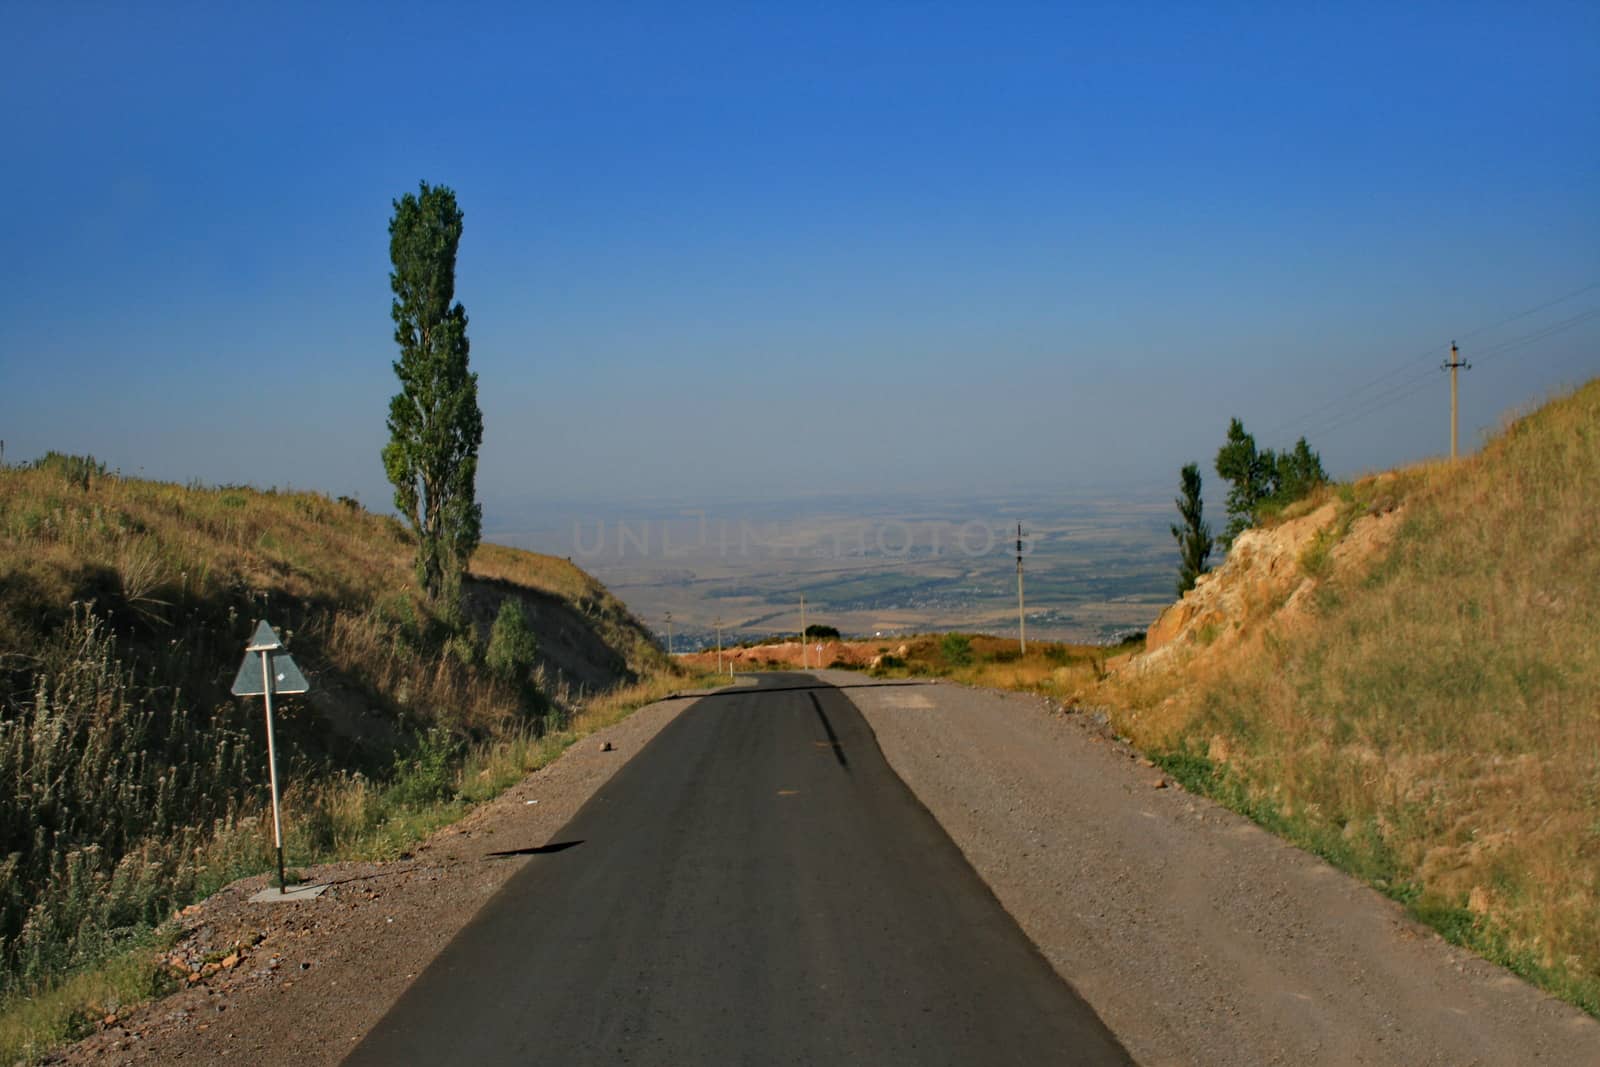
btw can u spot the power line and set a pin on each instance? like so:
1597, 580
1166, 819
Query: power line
1423, 380
1409, 387
1539, 335
1524, 314
1429, 353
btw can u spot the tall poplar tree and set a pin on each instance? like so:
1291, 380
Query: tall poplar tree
435, 426
1194, 533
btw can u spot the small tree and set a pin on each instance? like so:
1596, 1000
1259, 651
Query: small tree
435, 426
1299, 472
1263, 477
1194, 533
1239, 463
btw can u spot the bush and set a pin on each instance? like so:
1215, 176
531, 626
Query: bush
429, 775
76, 471
513, 649
957, 649
819, 632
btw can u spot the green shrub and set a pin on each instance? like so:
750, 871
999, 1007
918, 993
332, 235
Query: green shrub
513, 649
77, 471
957, 649
428, 775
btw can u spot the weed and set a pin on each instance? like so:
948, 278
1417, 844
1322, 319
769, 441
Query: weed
1317, 558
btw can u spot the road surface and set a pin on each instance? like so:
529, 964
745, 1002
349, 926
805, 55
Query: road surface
755, 887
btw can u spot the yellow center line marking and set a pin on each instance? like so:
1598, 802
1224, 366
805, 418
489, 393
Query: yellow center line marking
788, 792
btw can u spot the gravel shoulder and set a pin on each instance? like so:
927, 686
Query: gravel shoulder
1197, 936
307, 980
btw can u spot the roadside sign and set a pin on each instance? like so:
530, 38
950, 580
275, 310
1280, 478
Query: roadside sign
268, 669
264, 639
286, 676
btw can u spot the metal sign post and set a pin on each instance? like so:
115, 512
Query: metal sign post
277, 674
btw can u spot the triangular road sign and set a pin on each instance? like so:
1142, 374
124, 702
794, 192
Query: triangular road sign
286, 676
263, 640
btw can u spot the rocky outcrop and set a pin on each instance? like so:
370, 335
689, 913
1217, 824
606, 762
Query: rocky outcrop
1268, 577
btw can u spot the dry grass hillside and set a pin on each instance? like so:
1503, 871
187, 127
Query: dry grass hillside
1403, 674
134, 780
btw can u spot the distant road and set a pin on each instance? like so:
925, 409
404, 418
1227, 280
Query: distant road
755, 887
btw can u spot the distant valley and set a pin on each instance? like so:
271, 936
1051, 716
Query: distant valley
1095, 565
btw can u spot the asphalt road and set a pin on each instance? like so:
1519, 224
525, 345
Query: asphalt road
755, 887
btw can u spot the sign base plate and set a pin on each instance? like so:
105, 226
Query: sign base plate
292, 895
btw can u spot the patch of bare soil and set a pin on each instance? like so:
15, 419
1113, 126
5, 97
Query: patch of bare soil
1198, 937
300, 983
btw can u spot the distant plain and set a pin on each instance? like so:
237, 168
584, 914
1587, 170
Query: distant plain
1096, 565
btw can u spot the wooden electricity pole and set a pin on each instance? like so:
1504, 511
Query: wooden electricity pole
1022, 618
719, 644
1453, 365
669, 633
802, 631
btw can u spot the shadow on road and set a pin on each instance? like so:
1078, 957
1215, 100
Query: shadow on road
541, 850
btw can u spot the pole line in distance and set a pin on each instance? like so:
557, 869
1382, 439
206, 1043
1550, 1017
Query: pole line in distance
1022, 618
272, 767
802, 631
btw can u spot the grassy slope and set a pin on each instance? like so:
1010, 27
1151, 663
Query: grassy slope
1435, 726
124, 608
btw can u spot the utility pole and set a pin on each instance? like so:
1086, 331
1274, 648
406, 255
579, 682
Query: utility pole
802, 631
1022, 618
669, 633
1453, 365
719, 644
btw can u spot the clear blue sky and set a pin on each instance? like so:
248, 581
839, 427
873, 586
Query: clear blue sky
793, 248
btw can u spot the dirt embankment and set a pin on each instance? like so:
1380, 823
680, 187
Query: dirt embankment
788, 654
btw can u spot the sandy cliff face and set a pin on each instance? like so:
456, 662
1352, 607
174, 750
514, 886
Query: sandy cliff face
1266, 581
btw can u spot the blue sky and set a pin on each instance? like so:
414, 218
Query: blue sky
796, 249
